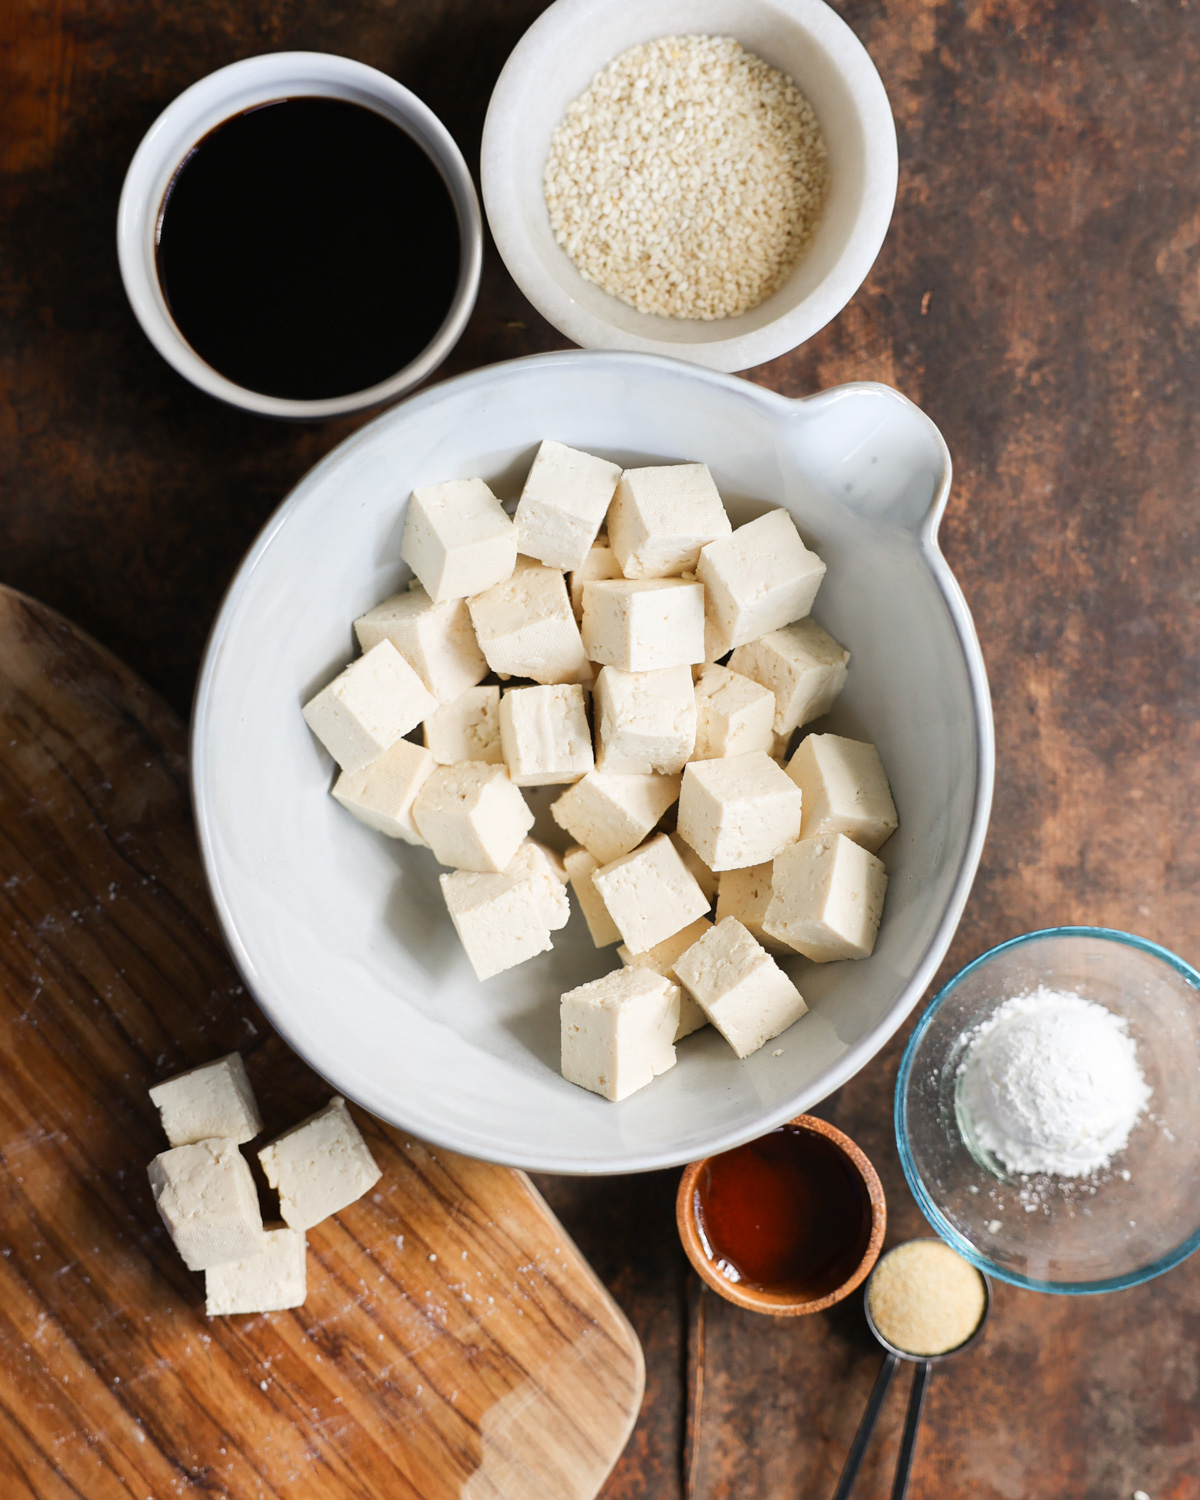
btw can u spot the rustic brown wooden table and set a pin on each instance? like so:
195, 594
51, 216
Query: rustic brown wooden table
1039, 296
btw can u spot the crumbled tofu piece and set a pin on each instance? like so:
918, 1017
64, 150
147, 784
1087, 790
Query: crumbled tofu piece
581, 866
599, 563
320, 1166
467, 729
382, 794
547, 873
661, 958
214, 1099
500, 919
828, 898
746, 894
740, 987
845, 790
650, 894
563, 504
436, 640
525, 627
457, 539
544, 734
739, 810
759, 579
645, 721
207, 1199
368, 707
802, 665
472, 816
271, 1281
706, 879
660, 518
610, 815
733, 715
643, 624
618, 1031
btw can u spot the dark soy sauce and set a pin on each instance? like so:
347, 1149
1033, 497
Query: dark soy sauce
787, 1213
308, 248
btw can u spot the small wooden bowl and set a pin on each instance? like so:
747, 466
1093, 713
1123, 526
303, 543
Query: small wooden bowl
784, 1304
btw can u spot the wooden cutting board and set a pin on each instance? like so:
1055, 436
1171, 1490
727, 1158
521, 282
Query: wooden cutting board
454, 1342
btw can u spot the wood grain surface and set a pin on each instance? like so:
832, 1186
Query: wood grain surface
453, 1343
1039, 296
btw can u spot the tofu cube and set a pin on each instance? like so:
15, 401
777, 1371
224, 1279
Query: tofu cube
368, 707
643, 624
610, 815
320, 1166
207, 1199
739, 986
457, 539
547, 874
436, 640
581, 866
827, 899
759, 579
661, 958
618, 1031
650, 894
500, 919
599, 563
563, 504
645, 721
467, 729
845, 790
382, 794
733, 715
214, 1099
544, 734
746, 894
271, 1281
660, 518
472, 816
525, 627
706, 879
739, 810
802, 665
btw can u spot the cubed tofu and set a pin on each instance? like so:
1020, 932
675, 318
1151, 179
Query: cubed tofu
643, 624
610, 815
525, 627
544, 734
320, 1166
827, 898
581, 866
271, 1281
706, 879
661, 958
645, 721
650, 894
436, 640
457, 539
207, 1199
845, 790
739, 986
212, 1100
618, 1031
733, 715
599, 563
563, 504
467, 729
746, 894
802, 665
368, 707
660, 518
547, 873
472, 816
500, 919
759, 579
739, 810
382, 794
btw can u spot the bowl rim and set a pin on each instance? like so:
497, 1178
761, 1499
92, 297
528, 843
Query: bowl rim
937, 1220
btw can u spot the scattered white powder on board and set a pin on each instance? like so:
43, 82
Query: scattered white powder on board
1051, 1084
688, 178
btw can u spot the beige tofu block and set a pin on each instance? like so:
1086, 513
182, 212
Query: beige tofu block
214, 1099
759, 579
705, 878
545, 735
472, 816
828, 899
746, 894
581, 866
382, 794
739, 986
610, 815
660, 518
457, 539
501, 920
739, 810
650, 894
618, 1031
320, 1166
802, 665
599, 563
547, 873
271, 1281
368, 707
207, 1199
563, 504
525, 627
845, 790
661, 958
436, 640
733, 715
643, 624
645, 721
467, 729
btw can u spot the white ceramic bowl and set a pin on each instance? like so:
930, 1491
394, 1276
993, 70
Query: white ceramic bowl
341, 933
228, 92
555, 61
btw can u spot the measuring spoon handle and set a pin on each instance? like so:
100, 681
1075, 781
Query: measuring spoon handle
865, 1428
908, 1442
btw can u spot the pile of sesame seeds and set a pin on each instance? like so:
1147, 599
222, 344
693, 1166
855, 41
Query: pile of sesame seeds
688, 179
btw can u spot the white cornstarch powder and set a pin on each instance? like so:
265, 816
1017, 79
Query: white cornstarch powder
688, 179
1051, 1084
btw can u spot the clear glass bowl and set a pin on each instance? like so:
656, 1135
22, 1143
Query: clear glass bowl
1136, 1219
